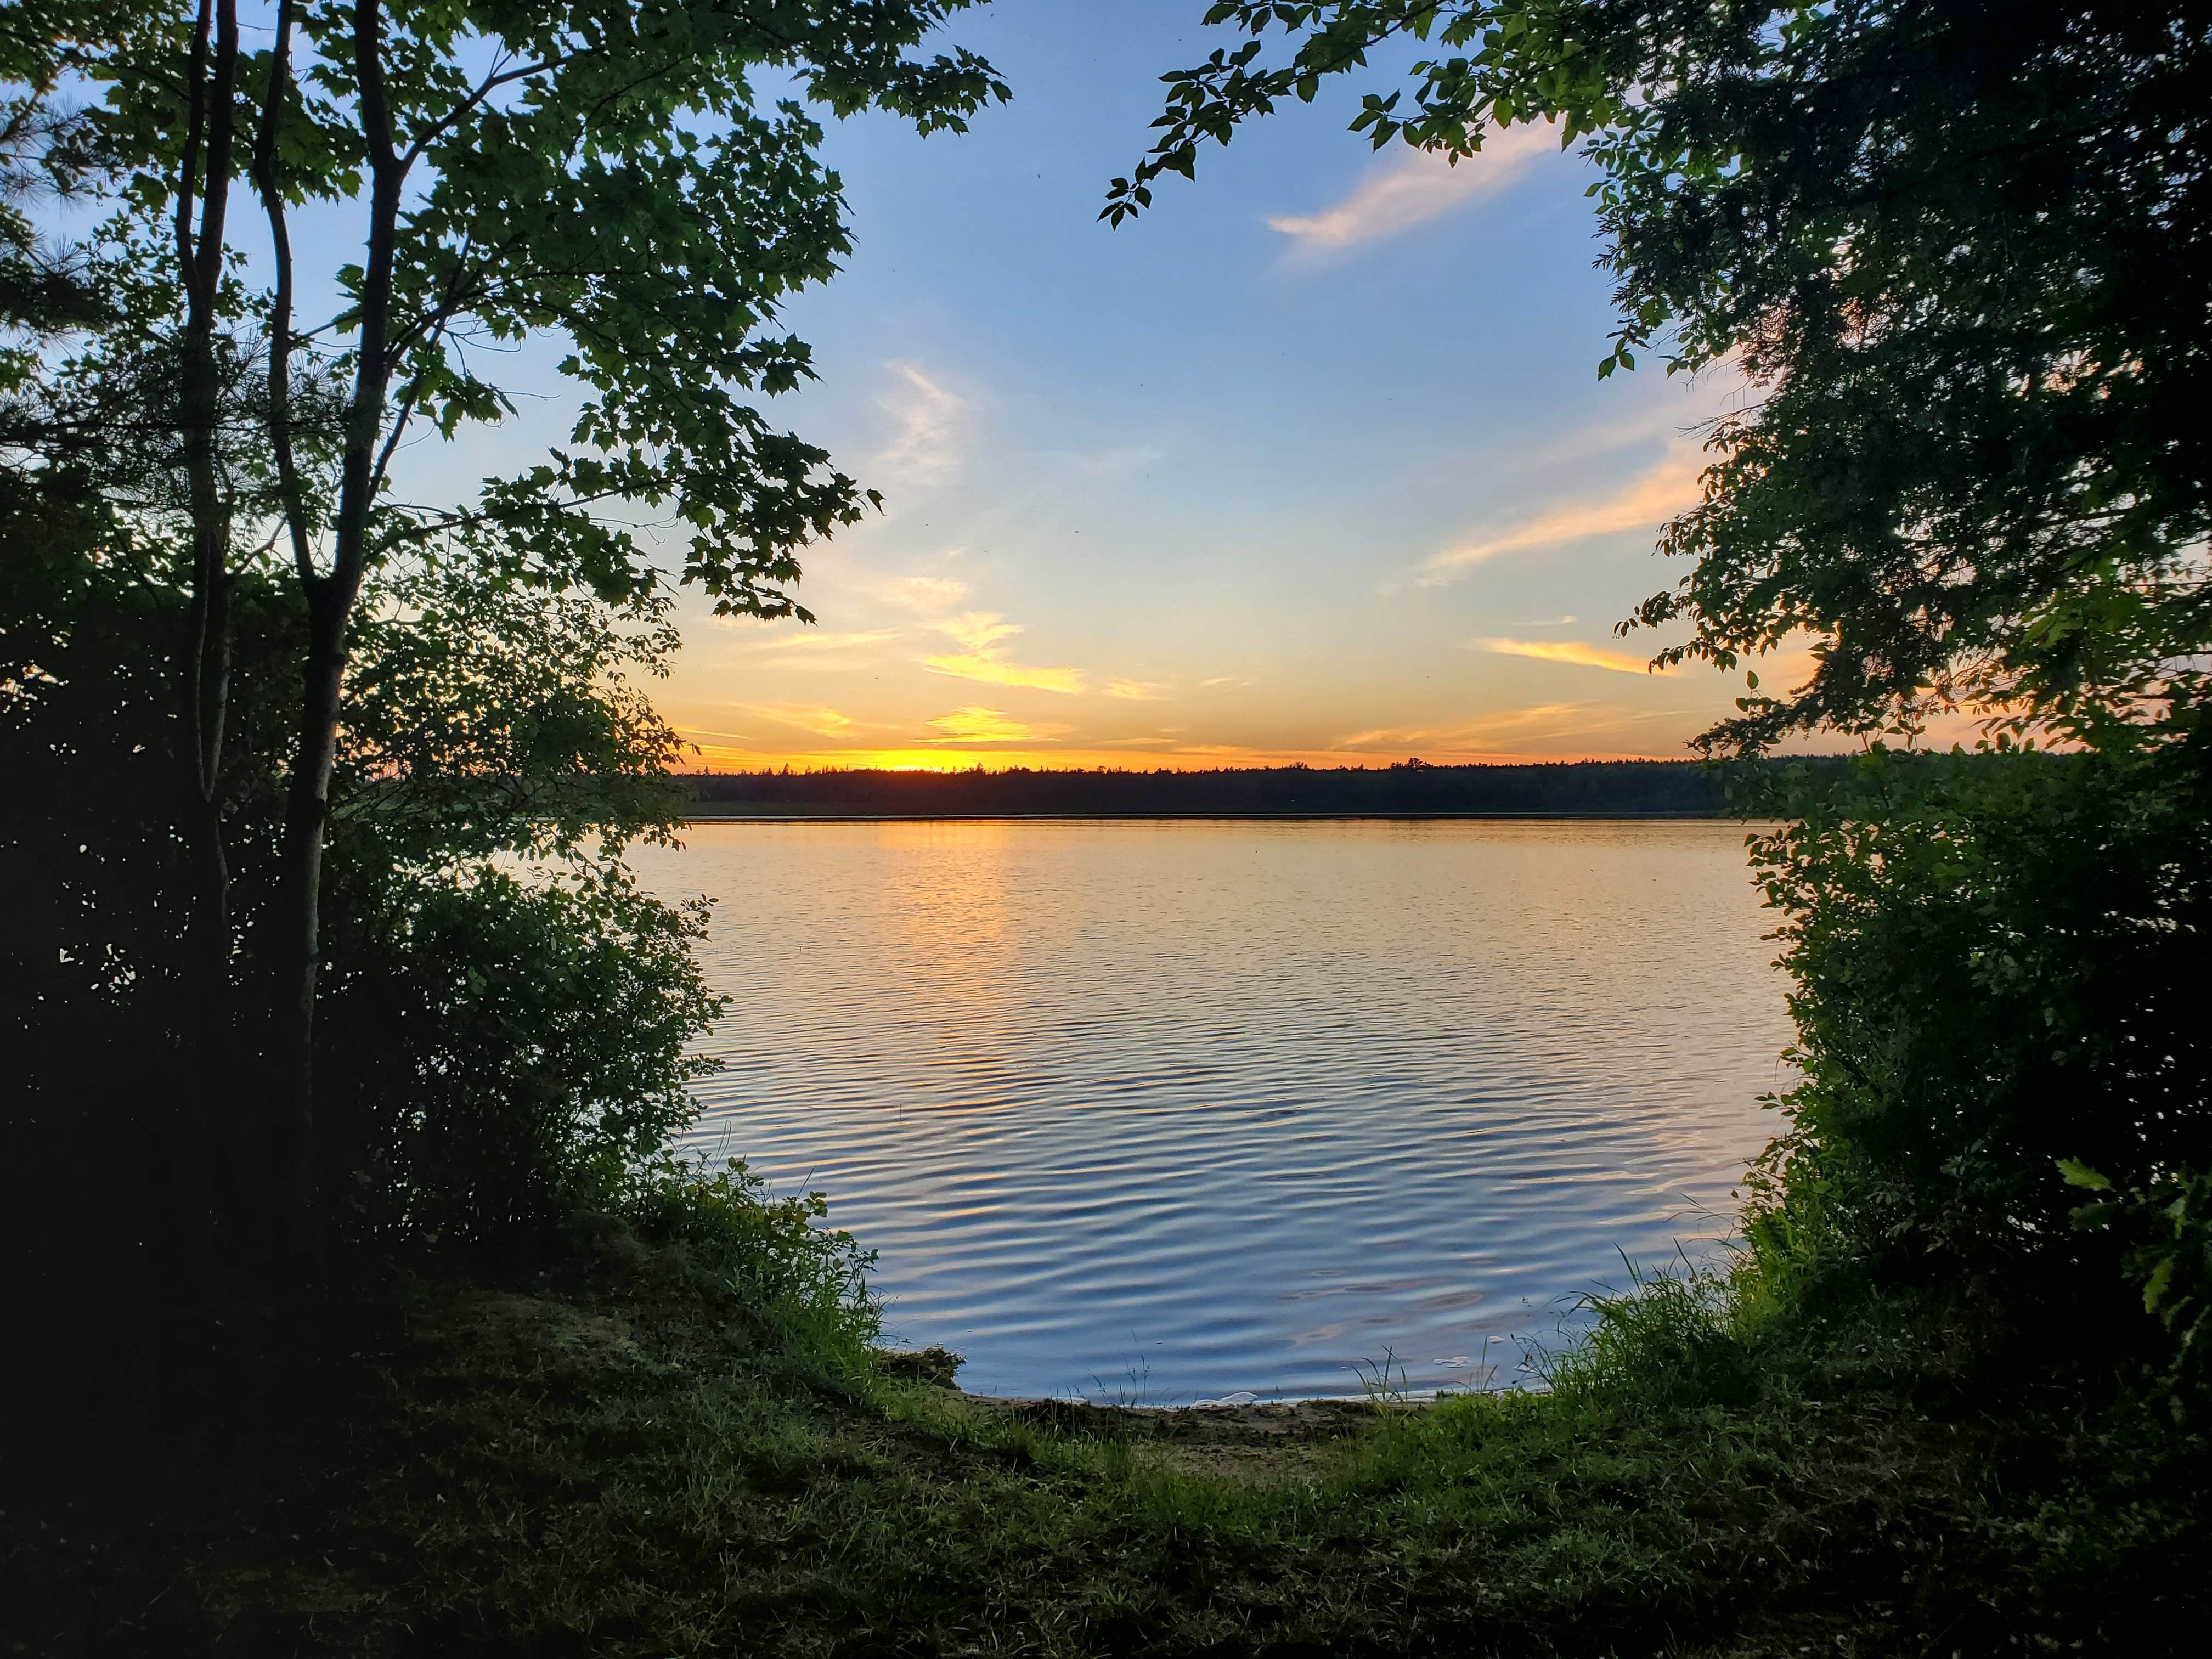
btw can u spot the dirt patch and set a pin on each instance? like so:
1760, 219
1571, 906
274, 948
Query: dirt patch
1273, 1422
1250, 1444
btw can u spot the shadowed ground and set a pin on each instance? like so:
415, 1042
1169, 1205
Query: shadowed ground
629, 1459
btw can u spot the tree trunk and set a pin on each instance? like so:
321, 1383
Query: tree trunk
306, 815
330, 606
208, 1153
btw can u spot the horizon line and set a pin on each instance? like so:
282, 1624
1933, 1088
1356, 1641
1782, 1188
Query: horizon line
1410, 764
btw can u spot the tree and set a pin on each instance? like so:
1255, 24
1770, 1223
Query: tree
1960, 249
617, 179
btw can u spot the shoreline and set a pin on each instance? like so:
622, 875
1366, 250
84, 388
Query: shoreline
1234, 818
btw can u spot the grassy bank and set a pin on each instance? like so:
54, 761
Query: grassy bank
641, 1451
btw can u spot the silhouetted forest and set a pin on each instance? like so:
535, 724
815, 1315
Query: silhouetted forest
1621, 789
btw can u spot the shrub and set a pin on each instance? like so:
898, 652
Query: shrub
811, 1280
500, 1050
1994, 960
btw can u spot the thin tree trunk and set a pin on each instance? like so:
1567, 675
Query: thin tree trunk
289, 1133
306, 816
266, 176
331, 601
211, 1158
206, 688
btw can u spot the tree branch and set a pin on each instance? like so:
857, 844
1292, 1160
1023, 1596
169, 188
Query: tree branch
280, 316
490, 84
195, 138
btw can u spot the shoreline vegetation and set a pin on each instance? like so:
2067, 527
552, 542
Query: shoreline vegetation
671, 1432
608, 1403
634, 1449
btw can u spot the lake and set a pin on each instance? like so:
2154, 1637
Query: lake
1159, 1111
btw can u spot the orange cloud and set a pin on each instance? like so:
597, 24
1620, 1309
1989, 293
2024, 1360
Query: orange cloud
1584, 656
1645, 503
1549, 730
823, 722
810, 640
975, 725
980, 632
924, 592
989, 671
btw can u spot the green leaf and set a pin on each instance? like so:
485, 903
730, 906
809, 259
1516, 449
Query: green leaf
2155, 1286
2078, 1174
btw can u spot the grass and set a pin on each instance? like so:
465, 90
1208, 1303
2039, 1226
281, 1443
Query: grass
651, 1455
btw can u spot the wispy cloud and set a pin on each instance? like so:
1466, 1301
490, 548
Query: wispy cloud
1583, 656
987, 668
1511, 728
1388, 736
1165, 734
1415, 187
812, 640
1669, 409
1136, 690
1225, 679
929, 421
822, 721
975, 725
924, 592
1643, 503
980, 632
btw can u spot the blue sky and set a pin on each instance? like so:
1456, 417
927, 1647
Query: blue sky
1310, 462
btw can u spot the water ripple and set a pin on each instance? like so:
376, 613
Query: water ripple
1170, 1110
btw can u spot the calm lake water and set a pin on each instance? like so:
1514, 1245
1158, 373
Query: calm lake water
1163, 1111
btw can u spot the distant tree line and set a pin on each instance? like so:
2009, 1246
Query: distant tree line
1565, 789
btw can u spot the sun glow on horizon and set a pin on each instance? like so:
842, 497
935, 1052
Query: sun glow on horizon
1121, 527
713, 757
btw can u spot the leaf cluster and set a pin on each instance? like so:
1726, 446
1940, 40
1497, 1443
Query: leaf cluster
618, 177
2168, 1217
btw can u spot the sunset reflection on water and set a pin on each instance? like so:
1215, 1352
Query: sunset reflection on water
1175, 1109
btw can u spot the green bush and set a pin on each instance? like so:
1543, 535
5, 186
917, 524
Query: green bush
498, 1050
2166, 1222
504, 1020
811, 1280
1996, 960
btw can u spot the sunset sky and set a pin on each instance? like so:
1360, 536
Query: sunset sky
1310, 462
